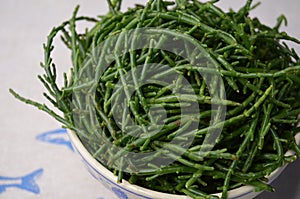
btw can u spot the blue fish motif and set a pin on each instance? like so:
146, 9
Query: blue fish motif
26, 182
58, 136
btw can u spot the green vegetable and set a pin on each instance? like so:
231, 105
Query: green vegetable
261, 77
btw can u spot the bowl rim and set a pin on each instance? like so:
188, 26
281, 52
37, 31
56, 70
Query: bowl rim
141, 191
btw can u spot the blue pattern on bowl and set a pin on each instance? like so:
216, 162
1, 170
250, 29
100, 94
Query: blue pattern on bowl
128, 191
118, 190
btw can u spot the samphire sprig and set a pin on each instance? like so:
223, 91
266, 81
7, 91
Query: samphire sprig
262, 81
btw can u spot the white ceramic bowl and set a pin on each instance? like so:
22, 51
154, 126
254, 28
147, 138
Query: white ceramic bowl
125, 190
